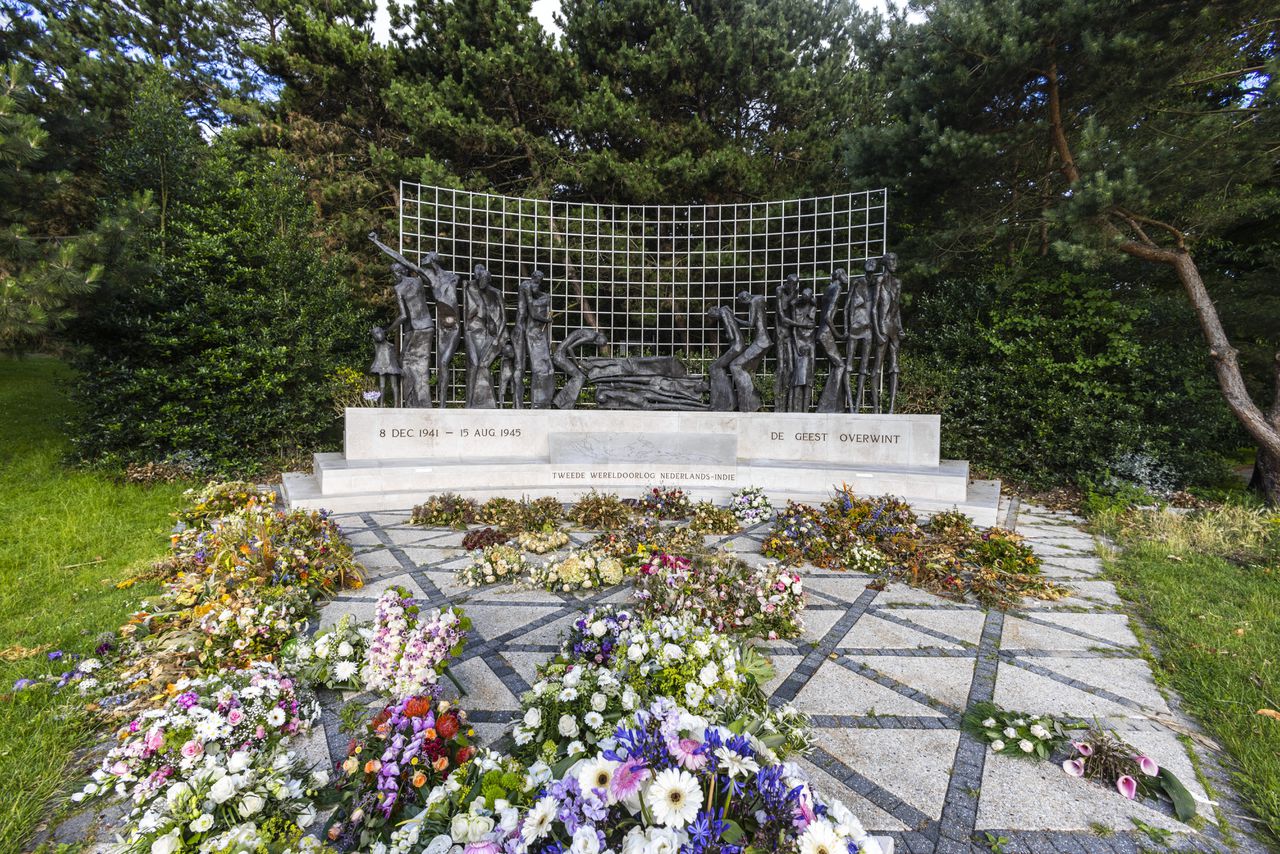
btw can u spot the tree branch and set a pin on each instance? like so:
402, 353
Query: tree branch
1056, 130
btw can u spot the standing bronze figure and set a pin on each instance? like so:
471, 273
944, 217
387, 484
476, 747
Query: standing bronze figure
804, 314
723, 398
887, 328
566, 359
485, 326
416, 349
415, 319
858, 331
537, 338
836, 389
744, 366
786, 354
386, 367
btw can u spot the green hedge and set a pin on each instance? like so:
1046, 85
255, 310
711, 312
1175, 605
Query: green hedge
1052, 377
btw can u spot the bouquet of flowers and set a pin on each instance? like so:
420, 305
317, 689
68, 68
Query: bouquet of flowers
332, 658
601, 511
482, 538
253, 802
669, 503
1014, 733
397, 759
577, 700
670, 781
447, 510
750, 505
729, 594
638, 540
581, 569
217, 500
247, 628
524, 515
493, 565
222, 721
710, 519
260, 547
410, 648
1104, 756
479, 799
594, 637
859, 557
797, 536
541, 542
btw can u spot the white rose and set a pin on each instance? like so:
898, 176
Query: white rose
1039, 731
251, 804
599, 702
707, 675
533, 717
238, 762
222, 790
568, 726
167, 844
989, 723
201, 824
598, 628
1010, 732
1026, 746
307, 817
345, 650
585, 841
635, 652
997, 745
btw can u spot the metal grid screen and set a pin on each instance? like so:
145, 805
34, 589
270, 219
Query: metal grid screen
644, 275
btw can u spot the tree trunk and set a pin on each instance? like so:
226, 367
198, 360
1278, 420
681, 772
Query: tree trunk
1262, 427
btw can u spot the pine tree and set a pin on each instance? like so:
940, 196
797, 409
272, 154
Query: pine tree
709, 101
1103, 130
484, 93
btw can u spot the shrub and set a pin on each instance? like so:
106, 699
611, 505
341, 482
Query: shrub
216, 336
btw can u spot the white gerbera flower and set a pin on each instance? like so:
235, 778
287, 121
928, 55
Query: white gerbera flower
593, 719
538, 822
821, 838
596, 774
674, 796
276, 717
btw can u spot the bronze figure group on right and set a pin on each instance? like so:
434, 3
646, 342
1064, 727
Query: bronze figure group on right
861, 349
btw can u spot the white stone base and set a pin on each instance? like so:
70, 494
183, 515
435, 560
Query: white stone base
396, 458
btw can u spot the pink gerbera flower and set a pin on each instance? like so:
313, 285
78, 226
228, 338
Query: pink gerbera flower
628, 778
687, 753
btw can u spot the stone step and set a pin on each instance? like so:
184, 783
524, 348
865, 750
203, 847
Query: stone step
980, 499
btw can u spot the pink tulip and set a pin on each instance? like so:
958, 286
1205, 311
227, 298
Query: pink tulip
1147, 765
1084, 748
1127, 786
1074, 767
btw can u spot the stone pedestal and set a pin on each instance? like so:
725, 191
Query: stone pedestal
394, 458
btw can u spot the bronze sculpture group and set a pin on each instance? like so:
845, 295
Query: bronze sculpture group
433, 324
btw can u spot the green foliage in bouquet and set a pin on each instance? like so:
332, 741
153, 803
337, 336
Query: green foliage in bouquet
447, 510
601, 511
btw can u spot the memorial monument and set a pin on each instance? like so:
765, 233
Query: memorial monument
534, 411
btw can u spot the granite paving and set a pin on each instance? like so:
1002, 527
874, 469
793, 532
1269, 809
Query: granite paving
886, 675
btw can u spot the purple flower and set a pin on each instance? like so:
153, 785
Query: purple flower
23, 684
1074, 767
1127, 786
1147, 765
55, 655
1084, 748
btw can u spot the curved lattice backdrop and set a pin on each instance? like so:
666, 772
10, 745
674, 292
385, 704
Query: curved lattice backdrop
645, 275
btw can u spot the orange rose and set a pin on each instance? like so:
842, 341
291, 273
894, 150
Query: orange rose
441, 763
419, 780
372, 766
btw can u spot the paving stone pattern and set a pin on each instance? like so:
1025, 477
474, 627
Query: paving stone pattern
885, 675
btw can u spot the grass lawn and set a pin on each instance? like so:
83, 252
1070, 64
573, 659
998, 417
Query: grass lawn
1208, 586
66, 538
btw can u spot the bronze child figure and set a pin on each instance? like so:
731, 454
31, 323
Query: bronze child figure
386, 366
